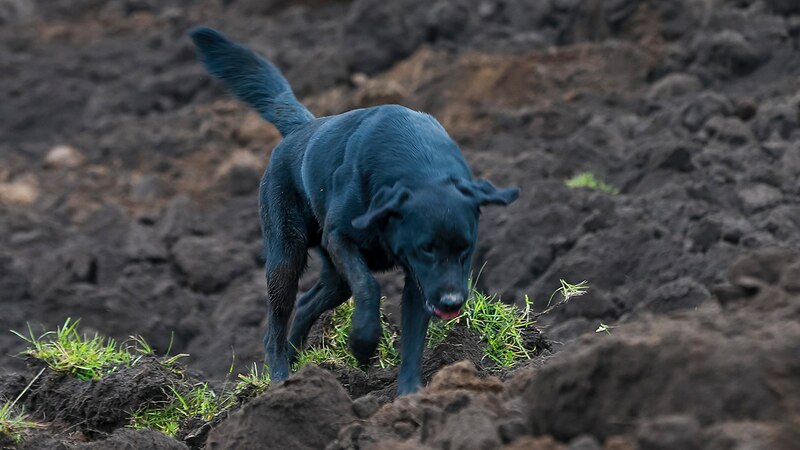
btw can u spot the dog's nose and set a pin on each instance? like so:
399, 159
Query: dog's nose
452, 301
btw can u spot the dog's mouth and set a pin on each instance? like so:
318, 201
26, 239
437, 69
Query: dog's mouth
444, 315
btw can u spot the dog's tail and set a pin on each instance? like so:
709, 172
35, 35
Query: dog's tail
253, 79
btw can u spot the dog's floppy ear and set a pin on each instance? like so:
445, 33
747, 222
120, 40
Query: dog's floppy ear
485, 193
385, 202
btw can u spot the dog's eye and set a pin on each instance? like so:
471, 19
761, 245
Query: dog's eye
427, 248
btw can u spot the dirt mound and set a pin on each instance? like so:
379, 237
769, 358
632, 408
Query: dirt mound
457, 410
305, 411
691, 380
122, 439
99, 406
723, 376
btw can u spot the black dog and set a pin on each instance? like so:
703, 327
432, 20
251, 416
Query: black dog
371, 189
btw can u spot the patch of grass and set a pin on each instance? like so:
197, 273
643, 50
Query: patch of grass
388, 356
66, 350
501, 327
252, 383
198, 402
438, 330
589, 181
13, 421
334, 350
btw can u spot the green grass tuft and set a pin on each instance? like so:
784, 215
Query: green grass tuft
13, 421
252, 383
589, 181
438, 331
500, 326
66, 350
334, 350
199, 402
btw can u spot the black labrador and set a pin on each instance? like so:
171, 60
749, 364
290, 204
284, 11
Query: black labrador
371, 189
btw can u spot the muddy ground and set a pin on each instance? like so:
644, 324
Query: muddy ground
128, 184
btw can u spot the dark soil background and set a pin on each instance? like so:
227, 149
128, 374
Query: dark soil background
128, 183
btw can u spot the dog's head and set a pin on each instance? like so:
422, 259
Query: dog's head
432, 231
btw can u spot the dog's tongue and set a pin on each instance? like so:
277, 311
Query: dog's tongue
446, 315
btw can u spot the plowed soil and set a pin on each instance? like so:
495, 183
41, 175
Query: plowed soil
128, 184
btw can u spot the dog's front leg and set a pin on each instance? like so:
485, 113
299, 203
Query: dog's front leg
414, 327
365, 330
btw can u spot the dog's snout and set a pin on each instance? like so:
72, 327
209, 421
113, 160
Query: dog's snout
452, 301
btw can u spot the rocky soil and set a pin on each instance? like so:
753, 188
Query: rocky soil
128, 183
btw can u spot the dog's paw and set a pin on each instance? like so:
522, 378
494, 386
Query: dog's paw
364, 339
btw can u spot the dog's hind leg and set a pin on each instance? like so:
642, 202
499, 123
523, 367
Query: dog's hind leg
285, 251
365, 331
329, 292
283, 274
413, 328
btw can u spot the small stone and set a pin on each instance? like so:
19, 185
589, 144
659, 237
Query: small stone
64, 157
19, 192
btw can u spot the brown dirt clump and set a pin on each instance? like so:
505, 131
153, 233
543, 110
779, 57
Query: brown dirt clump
305, 411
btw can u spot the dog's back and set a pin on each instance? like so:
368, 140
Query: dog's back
384, 144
